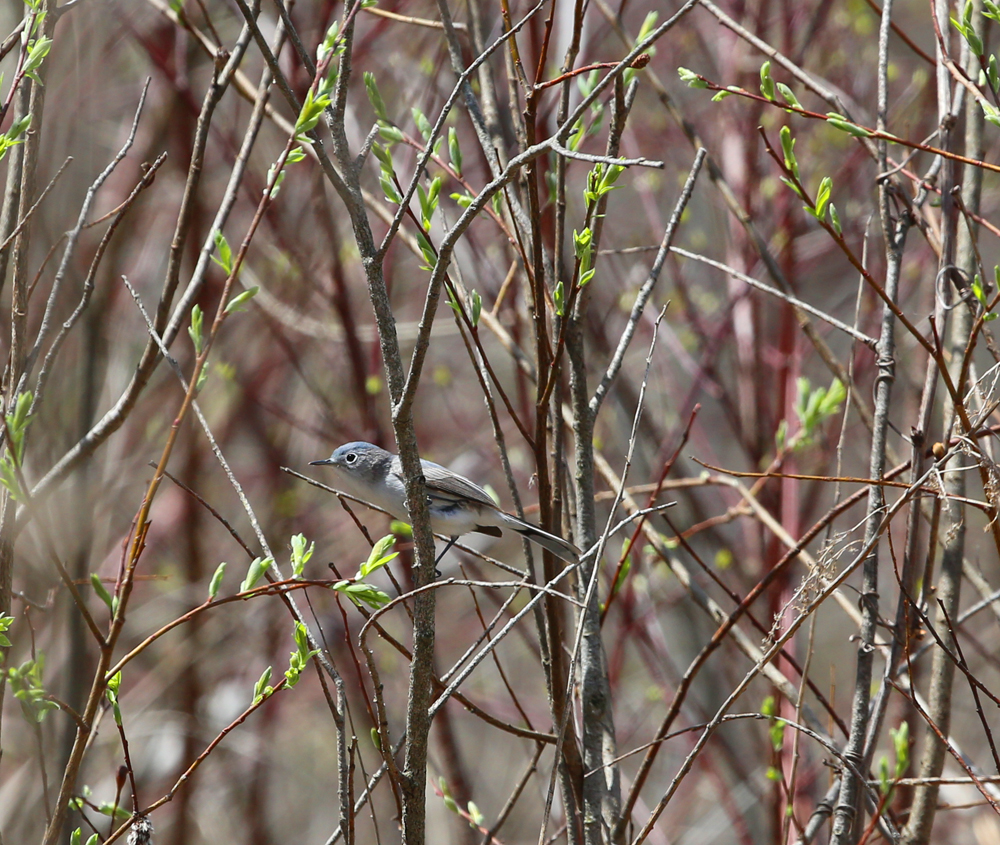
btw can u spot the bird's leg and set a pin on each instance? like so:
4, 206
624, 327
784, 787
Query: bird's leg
451, 542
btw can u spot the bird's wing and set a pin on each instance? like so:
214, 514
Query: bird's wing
444, 482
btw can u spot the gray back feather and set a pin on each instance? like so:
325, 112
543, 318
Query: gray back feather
444, 483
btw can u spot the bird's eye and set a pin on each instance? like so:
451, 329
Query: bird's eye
351, 457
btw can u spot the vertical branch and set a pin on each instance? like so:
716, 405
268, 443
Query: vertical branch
925, 795
942, 289
20, 282
602, 778
846, 813
12, 191
418, 718
570, 766
561, 162
547, 615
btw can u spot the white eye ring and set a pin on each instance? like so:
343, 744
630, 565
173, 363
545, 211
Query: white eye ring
351, 457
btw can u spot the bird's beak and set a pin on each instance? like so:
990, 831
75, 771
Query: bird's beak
323, 463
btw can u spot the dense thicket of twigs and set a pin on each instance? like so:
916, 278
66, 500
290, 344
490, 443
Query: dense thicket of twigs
739, 257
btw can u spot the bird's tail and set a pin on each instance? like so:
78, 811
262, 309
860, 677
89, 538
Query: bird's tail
561, 548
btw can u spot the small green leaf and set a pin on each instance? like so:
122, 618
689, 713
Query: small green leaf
788, 150
383, 155
359, 592
610, 177
216, 582
312, 109
100, 589
328, 43
202, 378
301, 636
390, 191
823, 196
831, 400
648, 25
8, 478
390, 133
195, 329
901, 745
275, 178
255, 572
17, 424
766, 83
423, 124
19, 421
586, 83
835, 219
37, 51
301, 553
428, 202
111, 692
691, 79
430, 256
375, 97
261, 690
378, 557
225, 258
990, 112
477, 307
299, 659
792, 185
476, 818
978, 291
840, 122
454, 151
5, 623
789, 95
241, 299
559, 298
884, 786
18, 127
777, 734
968, 31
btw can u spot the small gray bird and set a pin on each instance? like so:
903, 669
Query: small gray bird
457, 506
